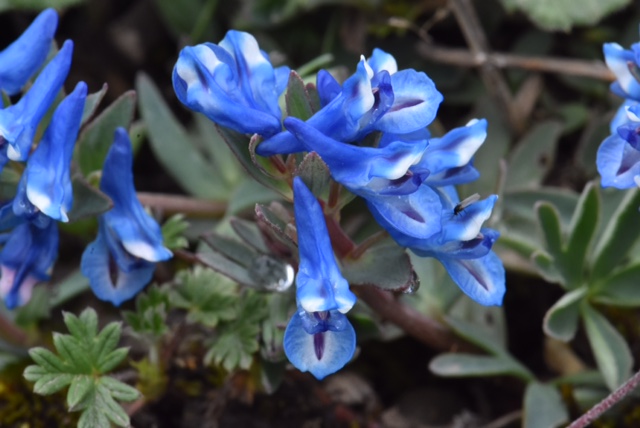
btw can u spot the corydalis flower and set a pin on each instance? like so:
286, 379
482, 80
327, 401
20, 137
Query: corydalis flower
19, 122
122, 259
232, 83
26, 259
624, 63
319, 338
376, 97
21, 59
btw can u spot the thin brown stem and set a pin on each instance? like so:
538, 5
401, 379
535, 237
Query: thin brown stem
172, 204
611, 400
368, 243
464, 58
425, 329
13, 334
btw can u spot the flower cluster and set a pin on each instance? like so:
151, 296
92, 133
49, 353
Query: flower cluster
45, 195
618, 158
371, 132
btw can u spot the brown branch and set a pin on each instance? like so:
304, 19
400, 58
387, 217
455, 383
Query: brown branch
464, 58
171, 204
427, 330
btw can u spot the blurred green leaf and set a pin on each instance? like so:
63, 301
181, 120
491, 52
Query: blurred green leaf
181, 16
543, 407
173, 147
574, 115
173, 232
549, 221
609, 348
561, 320
38, 308
545, 264
149, 318
88, 201
37, 4
69, 287
555, 15
218, 153
464, 365
315, 174
92, 102
297, 98
619, 289
95, 140
533, 157
522, 202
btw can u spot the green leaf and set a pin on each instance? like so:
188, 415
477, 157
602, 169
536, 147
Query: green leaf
561, 320
297, 98
551, 228
88, 201
48, 361
37, 5
384, 265
534, 156
112, 410
52, 382
619, 236
173, 230
619, 289
94, 142
68, 288
315, 174
152, 307
218, 153
563, 14
465, 365
38, 308
582, 229
543, 407
521, 202
119, 390
610, 350
81, 386
249, 233
93, 417
92, 102
172, 145
546, 267
477, 335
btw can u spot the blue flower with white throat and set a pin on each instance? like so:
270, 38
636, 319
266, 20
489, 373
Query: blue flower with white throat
122, 259
318, 338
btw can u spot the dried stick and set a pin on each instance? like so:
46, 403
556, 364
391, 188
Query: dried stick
171, 204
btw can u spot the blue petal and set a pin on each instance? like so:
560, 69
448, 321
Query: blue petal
471, 249
320, 285
301, 348
466, 224
617, 59
97, 267
48, 184
233, 84
481, 279
380, 60
618, 163
416, 101
26, 259
21, 59
328, 87
415, 215
355, 166
453, 176
455, 149
19, 122
138, 232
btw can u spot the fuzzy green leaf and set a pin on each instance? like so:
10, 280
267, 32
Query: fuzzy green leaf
172, 232
620, 289
561, 320
81, 387
152, 307
297, 98
52, 382
92, 102
465, 365
543, 407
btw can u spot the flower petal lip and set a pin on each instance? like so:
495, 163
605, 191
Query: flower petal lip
381, 60
618, 163
617, 59
232, 83
48, 184
22, 58
320, 285
301, 349
19, 122
138, 232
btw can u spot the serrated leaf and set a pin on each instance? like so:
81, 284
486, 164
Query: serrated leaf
173, 230
119, 390
297, 98
71, 351
112, 410
534, 156
619, 236
49, 361
234, 347
561, 320
81, 386
465, 365
543, 407
619, 289
610, 350
563, 14
384, 265
111, 360
172, 145
95, 140
93, 418
52, 382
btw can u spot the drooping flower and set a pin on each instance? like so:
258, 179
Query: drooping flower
319, 337
624, 63
232, 83
376, 97
22, 58
122, 259
46, 183
26, 259
19, 122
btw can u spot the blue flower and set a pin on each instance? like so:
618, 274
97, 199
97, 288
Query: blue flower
129, 241
232, 83
46, 183
374, 98
21, 59
19, 122
624, 64
319, 338
26, 259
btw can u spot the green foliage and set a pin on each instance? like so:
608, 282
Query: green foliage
173, 230
543, 407
37, 4
149, 318
564, 14
84, 357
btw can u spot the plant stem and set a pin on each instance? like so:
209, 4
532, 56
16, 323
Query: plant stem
12, 333
368, 243
611, 400
172, 204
